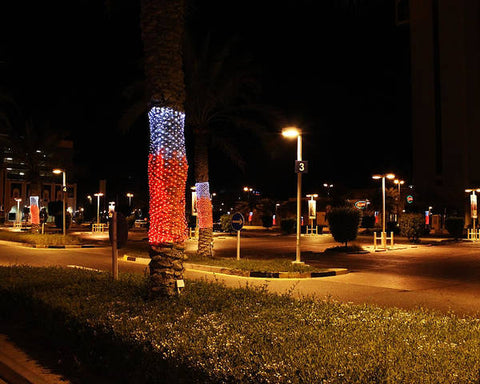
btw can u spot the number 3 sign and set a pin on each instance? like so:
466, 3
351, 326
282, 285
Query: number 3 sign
301, 166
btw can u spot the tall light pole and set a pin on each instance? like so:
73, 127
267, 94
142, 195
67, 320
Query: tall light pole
328, 186
473, 208
389, 176
129, 195
98, 205
399, 183
18, 219
312, 209
291, 133
64, 193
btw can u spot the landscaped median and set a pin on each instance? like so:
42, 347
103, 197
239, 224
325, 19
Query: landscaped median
214, 334
271, 269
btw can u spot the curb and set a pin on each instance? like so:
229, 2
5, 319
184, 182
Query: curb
28, 245
237, 272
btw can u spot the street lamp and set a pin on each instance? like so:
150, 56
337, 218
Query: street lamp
312, 210
389, 176
129, 195
328, 186
399, 183
473, 208
291, 133
19, 217
98, 205
64, 192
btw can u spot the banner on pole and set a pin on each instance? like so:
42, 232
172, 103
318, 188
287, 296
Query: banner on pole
473, 206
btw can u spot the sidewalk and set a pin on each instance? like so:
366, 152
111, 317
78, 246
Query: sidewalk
17, 367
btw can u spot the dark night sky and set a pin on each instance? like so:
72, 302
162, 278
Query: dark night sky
338, 69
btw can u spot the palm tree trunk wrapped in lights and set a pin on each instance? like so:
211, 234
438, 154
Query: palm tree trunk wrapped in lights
204, 202
162, 23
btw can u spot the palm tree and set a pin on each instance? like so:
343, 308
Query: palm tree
219, 88
162, 23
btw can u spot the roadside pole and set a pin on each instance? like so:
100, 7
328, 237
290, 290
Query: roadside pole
114, 247
237, 225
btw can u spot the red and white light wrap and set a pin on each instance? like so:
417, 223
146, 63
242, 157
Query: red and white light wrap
167, 176
204, 205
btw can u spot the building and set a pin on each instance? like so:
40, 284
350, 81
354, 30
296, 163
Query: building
445, 75
19, 172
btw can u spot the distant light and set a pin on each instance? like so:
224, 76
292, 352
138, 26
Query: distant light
290, 132
21, 173
8, 159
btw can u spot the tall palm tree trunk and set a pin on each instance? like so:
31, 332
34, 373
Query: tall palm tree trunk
204, 202
162, 23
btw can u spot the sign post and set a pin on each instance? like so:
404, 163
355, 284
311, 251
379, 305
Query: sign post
237, 225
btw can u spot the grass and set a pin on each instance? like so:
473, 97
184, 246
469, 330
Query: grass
213, 334
140, 249
39, 239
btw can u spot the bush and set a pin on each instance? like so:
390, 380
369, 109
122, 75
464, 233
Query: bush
287, 226
59, 220
392, 227
454, 226
267, 221
412, 225
344, 223
226, 223
368, 222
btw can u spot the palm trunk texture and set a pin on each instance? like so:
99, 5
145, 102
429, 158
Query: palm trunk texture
204, 202
162, 23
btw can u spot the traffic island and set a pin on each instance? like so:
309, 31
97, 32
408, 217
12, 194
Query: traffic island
245, 273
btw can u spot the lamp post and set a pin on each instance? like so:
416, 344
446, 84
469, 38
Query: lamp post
389, 176
64, 192
473, 208
312, 210
98, 205
19, 217
291, 133
399, 183
328, 186
129, 195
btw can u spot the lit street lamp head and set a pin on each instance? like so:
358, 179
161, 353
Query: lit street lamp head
290, 132
57, 171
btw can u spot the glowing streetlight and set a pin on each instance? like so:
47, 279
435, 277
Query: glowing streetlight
98, 205
64, 193
389, 176
328, 187
291, 133
399, 183
129, 195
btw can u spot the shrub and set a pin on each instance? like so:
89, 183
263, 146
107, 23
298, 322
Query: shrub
344, 222
267, 221
412, 225
368, 221
287, 226
392, 227
59, 220
454, 226
226, 223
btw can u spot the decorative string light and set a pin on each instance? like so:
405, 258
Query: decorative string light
204, 205
167, 171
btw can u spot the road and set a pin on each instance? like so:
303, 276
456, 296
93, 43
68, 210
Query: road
444, 278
